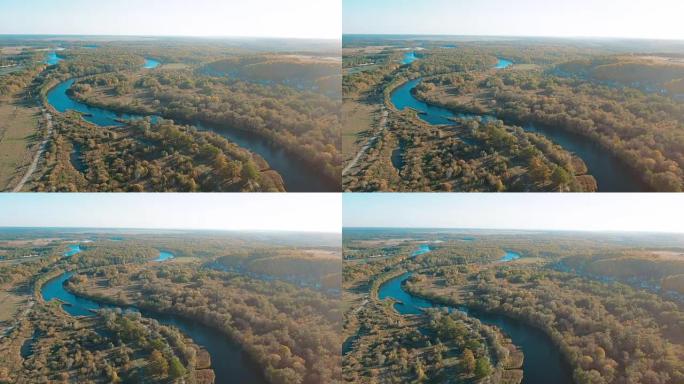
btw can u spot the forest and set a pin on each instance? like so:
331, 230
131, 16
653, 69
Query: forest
148, 156
623, 99
593, 295
292, 346
469, 156
306, 124
135, 349
133, 341
284, 102
641, 129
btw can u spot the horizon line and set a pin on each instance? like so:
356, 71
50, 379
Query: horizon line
193, 36
518, 36
524, 229
168, 229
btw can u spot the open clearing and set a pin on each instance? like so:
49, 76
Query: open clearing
183, 260
9, 304
663, 59
175, 66
15, 50
18, 125
358, 117
669, 255
323, 254
41, 242
10, 69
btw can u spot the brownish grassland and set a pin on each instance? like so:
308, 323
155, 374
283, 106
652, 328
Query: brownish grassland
357, 118
19, 136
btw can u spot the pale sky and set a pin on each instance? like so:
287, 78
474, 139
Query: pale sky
656, 19
305, 212
252, 18
648, 212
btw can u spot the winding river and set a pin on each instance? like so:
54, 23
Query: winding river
509, 256
151, 63
298, 176
73, 249
611, 174
229, 362
409, 58
543, 363
53, 58
422, 249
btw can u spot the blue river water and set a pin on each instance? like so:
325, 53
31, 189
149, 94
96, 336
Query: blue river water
543, 363
164, 256
229, 361
73, 249
611, 174
409, 58
422, 249
509, 256
503, 63
60, 100
402, 98
53, 58
151, 63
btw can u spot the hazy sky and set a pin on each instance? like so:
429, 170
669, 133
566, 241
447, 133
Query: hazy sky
318, 212
567, 18
258, 18
651, 212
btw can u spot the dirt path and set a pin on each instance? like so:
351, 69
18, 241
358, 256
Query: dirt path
360, 307
41, 149
371, 142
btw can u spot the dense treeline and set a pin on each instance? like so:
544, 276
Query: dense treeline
146, 156
304, 123
101, 254
448, 61
86, 62
12, 83
16, 275
362, 59
368, 82
291, 332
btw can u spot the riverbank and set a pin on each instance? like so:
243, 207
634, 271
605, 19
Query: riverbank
601, 161
238, 168
230, 354
543, 363
609, 171
298, 172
